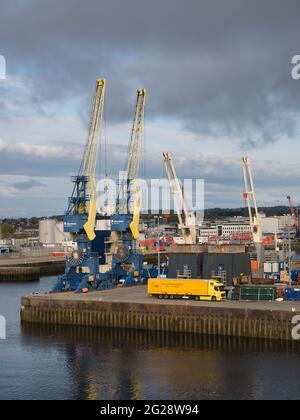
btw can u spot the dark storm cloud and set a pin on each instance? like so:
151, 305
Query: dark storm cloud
51, 162
227, 173
28, 184
34, 161
220, 67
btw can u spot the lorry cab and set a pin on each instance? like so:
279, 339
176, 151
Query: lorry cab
216, 291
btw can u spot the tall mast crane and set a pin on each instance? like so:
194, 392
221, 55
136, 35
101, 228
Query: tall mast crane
188, 225
81, 212
130, 189
91, 155
82, 266
135, 146
294, 216
255, 219
134, 159
127, 261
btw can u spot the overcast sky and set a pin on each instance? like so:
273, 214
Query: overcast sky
218, 73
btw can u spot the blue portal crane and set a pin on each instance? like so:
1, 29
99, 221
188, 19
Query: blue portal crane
82, 265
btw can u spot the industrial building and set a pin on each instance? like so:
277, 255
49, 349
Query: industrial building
225, 229
227, 266
276, 224
241, 226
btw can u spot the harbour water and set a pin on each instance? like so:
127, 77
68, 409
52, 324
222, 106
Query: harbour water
39, 362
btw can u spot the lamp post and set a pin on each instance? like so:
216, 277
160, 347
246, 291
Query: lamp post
158, 218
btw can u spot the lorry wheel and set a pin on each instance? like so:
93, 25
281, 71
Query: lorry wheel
197, 298
160, 296
214, 299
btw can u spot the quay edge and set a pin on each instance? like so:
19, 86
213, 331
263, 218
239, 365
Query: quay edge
30, 269
122, 309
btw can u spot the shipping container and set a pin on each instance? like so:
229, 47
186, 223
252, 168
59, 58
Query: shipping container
268, 267
58, 254
263, 281
295, 275
254, 265
258, 293
292, 294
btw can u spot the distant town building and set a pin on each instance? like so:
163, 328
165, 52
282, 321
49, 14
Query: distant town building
226, 229
276, 224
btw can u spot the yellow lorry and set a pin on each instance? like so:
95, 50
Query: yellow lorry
211, 290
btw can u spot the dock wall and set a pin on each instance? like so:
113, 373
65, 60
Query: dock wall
28, 270
15, 274
216, 321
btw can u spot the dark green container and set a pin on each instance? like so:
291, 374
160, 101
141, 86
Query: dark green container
258, 293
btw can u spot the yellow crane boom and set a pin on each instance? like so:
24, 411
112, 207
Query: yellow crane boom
91, 154
130, 190
135, 151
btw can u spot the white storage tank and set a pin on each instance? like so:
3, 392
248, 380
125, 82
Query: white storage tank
59, 234
47, 229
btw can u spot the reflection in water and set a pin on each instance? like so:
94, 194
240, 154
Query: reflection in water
39, 362
136, 340
127, 364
